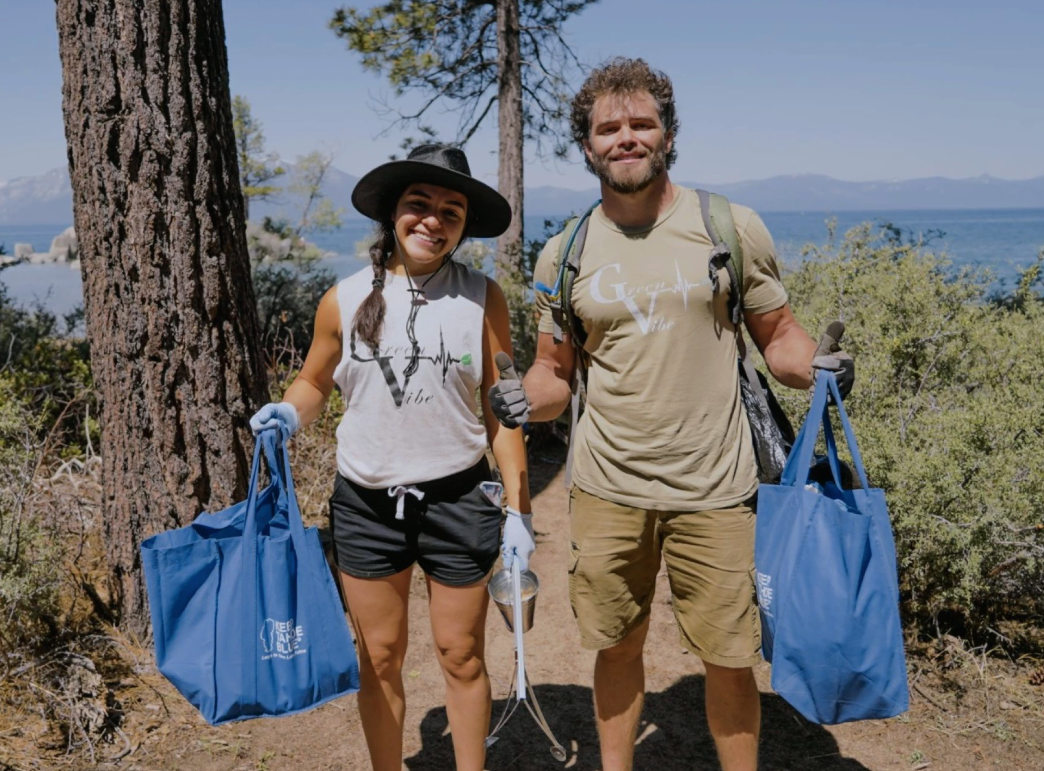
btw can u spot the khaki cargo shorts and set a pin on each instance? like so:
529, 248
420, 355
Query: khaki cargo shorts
614, 558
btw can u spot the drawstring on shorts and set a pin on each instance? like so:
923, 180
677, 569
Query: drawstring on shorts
399, 492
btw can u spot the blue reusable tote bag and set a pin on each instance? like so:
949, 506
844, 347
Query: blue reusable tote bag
827, 584
246, 618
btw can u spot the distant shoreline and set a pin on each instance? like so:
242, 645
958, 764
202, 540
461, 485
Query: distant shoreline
1002, 239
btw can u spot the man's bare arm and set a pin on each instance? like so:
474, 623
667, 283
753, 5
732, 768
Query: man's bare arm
548, 382
787, 348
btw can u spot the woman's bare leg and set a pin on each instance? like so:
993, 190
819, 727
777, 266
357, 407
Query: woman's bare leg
378, 608
458, 624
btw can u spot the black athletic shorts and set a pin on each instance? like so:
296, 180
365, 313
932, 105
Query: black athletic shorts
453, 533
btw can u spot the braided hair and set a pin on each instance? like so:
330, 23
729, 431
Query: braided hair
369, 318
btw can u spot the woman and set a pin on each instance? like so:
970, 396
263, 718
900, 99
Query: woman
409, 345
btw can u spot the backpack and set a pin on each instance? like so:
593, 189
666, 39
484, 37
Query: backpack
771, 431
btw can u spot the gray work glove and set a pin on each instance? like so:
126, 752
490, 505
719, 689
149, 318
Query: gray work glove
829, 356
507, 398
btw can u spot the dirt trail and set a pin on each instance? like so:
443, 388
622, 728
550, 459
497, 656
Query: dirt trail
672, 737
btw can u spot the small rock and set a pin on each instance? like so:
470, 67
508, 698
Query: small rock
65, 246
23, 251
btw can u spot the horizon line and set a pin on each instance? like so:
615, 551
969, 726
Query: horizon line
792, 175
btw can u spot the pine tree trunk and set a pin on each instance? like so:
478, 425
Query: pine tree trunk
171, 315
509, 113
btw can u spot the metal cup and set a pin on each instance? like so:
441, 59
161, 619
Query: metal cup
503, 595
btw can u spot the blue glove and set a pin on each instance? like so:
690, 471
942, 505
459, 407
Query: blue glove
518, 539
282, 415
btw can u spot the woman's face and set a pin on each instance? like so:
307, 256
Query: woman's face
429, 222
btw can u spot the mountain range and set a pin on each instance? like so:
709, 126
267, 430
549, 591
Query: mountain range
47, 199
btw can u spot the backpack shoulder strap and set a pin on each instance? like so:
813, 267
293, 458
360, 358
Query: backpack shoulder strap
570, 249
728, 252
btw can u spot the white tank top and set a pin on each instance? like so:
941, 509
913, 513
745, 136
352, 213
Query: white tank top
401, 429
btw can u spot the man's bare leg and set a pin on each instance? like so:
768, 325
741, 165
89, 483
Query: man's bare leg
619, 691
734, 716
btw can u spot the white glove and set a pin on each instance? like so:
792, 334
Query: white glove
518, 539
281, 415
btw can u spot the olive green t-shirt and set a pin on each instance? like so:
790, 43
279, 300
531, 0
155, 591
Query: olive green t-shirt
664, 426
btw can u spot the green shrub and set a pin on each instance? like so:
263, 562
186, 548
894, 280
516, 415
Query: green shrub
949, 412
287, 298
30, 554
47, 366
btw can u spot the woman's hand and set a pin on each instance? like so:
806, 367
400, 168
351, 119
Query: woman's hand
519, 542
281, 415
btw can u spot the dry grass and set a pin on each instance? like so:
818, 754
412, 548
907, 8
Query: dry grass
56, 694
978, 690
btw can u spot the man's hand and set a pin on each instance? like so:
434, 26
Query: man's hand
507, 398
829, 356
519, 542
281, 415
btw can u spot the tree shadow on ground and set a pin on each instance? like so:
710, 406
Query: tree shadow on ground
673, 735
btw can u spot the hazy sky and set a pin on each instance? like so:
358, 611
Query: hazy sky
857, 90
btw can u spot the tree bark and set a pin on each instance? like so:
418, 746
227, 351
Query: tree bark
170, 309
509, 114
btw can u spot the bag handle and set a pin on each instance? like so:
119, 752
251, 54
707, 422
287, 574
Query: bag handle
846, 426
277, 469
795, 473
249, 641
313, 567
270, 442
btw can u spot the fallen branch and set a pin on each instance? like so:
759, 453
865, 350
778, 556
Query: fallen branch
929, 699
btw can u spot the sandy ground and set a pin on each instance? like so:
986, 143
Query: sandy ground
947, 730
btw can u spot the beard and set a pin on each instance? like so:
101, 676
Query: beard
629, 183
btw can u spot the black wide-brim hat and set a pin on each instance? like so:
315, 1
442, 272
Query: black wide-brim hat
377, 192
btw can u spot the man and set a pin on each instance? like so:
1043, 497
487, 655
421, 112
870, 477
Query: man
664, 465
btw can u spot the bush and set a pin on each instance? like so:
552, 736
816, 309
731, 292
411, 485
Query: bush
49, 370
949, 412
289, 282
287, 298
30, 556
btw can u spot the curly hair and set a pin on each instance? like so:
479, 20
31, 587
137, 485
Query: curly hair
623, 76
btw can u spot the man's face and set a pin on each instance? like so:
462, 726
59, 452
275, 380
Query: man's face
627, 146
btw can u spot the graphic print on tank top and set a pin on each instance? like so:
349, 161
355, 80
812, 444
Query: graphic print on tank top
417, 355
444, 359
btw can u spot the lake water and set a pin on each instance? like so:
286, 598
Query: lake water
1002, 239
